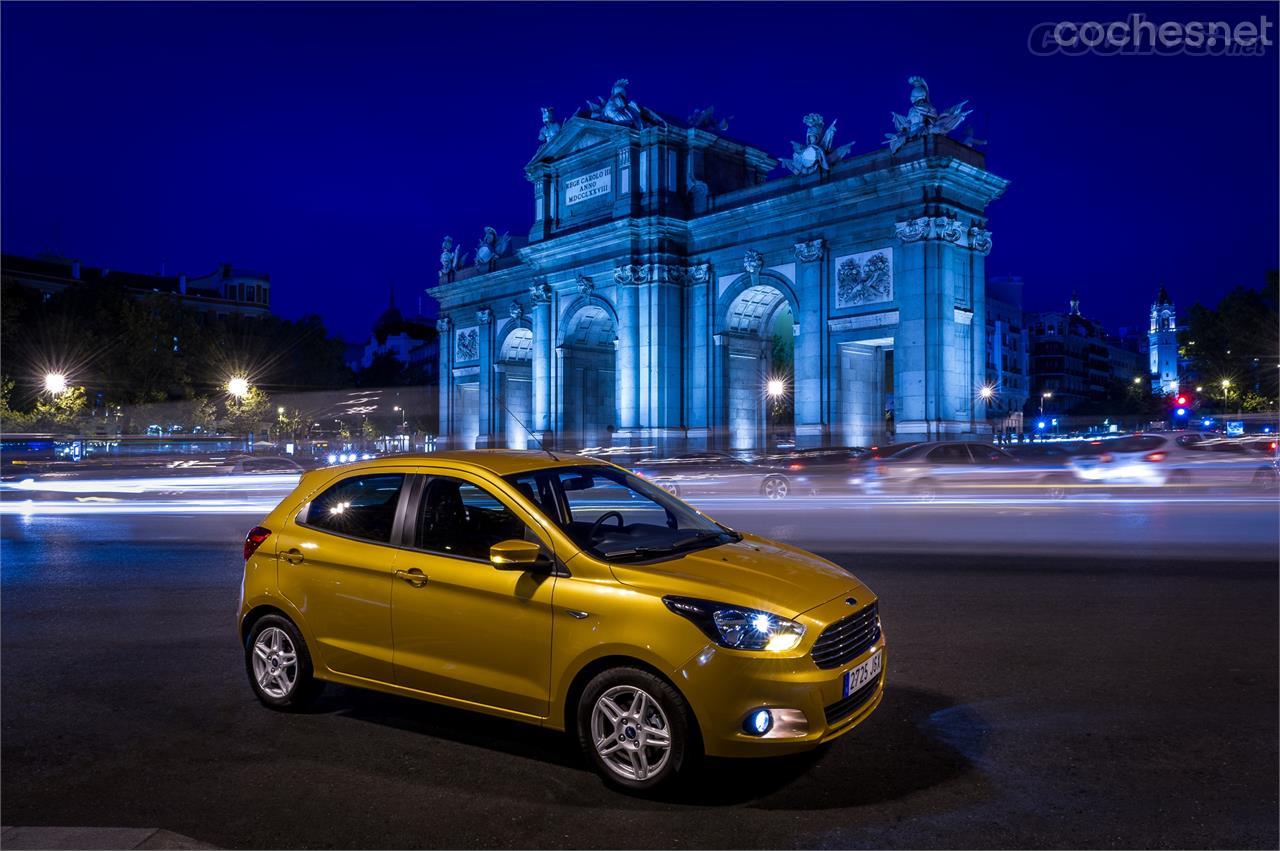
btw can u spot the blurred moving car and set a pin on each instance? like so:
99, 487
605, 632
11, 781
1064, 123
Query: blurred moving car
928, 470
718, 474
824, 470
260, 465
1167, 461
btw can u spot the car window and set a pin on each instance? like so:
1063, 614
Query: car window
601, 495
984, 454
619, 516
537, 489
950, 453
458, 518
360, 507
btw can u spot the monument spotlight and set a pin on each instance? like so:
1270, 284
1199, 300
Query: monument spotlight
238, 387
55, 383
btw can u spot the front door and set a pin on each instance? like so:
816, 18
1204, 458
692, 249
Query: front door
464, 629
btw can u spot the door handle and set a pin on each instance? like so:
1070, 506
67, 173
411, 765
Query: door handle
413, 576
292, 556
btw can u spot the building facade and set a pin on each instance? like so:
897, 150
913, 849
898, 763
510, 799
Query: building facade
663, 265
1008, 354
1075, 360
1162, 345
226, 291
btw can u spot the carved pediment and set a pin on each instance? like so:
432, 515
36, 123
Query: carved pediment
578, 134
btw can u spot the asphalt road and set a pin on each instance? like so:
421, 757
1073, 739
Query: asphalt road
1123, 696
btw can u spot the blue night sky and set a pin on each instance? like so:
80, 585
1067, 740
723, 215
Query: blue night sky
333, 146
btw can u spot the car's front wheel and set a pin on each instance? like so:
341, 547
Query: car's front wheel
279, 664
635, 728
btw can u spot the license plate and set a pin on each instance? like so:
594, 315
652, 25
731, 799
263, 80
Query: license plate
858, 677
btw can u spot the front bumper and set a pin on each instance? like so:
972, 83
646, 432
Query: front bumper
723, 686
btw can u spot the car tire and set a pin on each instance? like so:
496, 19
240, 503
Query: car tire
629, 753
775, 487
1266, 481
1055, 487
925, 489
674, 490
279, 664
1179, 482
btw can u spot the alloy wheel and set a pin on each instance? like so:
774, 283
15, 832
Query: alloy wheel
275, 662
776, 488
631, 732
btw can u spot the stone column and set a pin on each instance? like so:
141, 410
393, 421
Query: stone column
809, 372
628, 348
444, 325
980, 246
937, 337
541, 365
485, 388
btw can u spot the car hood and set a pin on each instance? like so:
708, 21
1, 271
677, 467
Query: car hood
754, 572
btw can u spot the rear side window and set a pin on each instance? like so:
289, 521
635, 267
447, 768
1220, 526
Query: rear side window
359, 507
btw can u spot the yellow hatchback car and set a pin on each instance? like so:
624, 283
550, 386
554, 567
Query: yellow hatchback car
559, 591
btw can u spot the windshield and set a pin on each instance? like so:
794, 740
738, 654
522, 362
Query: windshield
618, 516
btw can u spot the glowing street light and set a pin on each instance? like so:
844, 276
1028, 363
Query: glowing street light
986, 391
238, 387
1137, 379
1048, 394
55, 383
775, 388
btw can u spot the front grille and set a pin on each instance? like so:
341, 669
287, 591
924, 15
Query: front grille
846, 638
847, 706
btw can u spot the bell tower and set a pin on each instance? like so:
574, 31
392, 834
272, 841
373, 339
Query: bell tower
1162, 342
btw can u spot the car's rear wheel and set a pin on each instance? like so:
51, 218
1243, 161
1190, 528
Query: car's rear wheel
775, 487
1055, 487
279, 664
674, 490
635, 728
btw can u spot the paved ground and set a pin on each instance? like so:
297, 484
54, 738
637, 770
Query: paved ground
1034, 700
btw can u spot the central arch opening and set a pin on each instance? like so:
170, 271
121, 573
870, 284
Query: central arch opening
760, 331
513, 372
589, 397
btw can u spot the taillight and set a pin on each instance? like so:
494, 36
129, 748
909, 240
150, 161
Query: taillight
254, 539
1155, 456
795, 466
1106, 458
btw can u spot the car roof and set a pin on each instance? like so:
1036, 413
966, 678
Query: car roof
502, 462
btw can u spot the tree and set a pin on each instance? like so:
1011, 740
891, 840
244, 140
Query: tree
1236, 342
244, 413
11, 420
60, 412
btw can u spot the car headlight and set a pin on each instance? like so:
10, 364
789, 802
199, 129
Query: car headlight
737, 626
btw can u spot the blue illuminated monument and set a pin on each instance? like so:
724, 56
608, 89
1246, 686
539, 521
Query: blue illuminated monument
664, 264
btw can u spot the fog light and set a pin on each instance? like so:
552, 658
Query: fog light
758, 722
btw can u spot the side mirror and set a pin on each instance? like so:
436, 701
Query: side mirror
516, 554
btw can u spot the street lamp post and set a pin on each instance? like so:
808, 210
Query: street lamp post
774, 389
1043, 396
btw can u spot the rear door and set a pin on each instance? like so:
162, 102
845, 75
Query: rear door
336, 561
